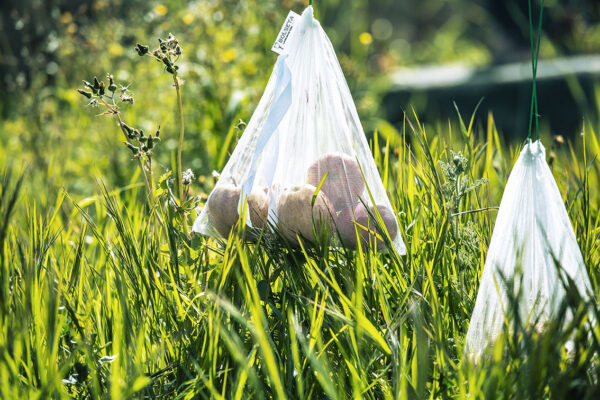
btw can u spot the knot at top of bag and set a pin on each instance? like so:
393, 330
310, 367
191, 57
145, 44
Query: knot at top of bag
308, 18
534, 150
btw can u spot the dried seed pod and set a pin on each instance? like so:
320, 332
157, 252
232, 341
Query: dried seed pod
344, 183
295, 213
133, 148
86, 94
163, 45
141, 49
111, 83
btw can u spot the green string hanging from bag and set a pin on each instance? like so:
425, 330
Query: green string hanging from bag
535, 52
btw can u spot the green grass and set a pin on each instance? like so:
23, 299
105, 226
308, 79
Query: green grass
101, 298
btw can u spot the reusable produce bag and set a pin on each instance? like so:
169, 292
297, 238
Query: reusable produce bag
532, 231
304, 129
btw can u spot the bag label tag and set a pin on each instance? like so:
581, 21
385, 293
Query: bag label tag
285, 32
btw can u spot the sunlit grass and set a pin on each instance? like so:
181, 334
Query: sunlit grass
98, 299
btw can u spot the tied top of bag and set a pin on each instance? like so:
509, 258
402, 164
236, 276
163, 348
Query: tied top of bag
304, 134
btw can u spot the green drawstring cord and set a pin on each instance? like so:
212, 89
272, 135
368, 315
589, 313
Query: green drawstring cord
535, 52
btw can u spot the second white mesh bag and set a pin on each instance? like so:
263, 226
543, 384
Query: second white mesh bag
304, 129
532, 231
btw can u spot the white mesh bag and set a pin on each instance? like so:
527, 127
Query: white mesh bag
532, 229
305, 128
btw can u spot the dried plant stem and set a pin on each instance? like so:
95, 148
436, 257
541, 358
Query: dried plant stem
179, 171
151, 180
148, 186
181, 133
148, 182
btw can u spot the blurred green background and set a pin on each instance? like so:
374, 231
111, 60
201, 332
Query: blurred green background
48, 46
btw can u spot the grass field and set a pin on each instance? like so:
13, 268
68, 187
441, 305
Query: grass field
102, 298
104, 294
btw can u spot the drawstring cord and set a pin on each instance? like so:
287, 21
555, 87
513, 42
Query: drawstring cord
535, 52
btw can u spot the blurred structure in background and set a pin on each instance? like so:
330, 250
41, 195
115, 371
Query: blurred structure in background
566, 93
484, 53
